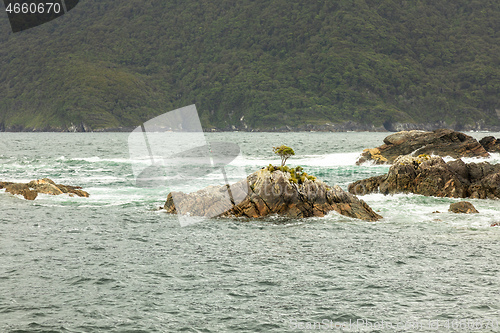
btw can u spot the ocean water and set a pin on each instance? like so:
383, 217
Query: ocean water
113, 262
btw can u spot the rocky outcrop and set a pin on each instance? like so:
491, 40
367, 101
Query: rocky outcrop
442, 142
21, 189
463, 207
491, 144
268, 192
431, 176
31, 190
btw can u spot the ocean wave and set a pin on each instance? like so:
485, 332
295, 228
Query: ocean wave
336, 159
97, 159
478, 159
415, 207
493, 159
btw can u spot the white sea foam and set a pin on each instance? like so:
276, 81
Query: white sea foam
92, 159
493, 159
97, 159
101, 179
338, 159
418, 208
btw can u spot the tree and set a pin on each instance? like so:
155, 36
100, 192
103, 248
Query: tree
284, 152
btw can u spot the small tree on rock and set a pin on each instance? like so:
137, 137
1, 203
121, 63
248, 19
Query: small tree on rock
284, 152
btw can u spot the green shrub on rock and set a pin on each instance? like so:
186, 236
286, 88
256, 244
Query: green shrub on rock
297, 174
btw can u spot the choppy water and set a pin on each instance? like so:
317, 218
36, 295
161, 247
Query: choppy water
114, 263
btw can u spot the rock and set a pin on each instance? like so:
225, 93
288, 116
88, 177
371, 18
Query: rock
21, 189
491, 144
4, 184
441, 142
268, 192
463, 207
433, 177
71, 190
42, 181
30, 194
47, 186
376, 156
16, 188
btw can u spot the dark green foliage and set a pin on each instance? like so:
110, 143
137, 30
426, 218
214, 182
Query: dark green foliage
255, 63
284, 152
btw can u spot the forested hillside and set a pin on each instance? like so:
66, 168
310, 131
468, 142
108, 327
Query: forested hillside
254, 63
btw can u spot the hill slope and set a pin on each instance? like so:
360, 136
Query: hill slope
254, 62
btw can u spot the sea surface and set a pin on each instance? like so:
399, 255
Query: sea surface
114, 262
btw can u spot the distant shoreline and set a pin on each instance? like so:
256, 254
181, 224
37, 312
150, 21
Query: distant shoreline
339, 127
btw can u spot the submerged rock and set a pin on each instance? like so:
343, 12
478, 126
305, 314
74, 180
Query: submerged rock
47, 186
441, 142
463, 207
433, 177
268, 192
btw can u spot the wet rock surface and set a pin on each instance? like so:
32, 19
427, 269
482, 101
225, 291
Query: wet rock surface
266, 193
431, 176
463, 207
441, 142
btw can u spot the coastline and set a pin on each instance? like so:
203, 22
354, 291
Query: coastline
328, 127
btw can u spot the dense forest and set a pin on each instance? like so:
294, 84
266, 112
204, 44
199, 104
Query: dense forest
254, 63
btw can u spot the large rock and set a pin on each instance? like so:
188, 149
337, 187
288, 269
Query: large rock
47, 186
491, 144
273, 192
431, 176
441, 142
463, 207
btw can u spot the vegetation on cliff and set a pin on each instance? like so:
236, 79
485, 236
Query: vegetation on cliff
254, 63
